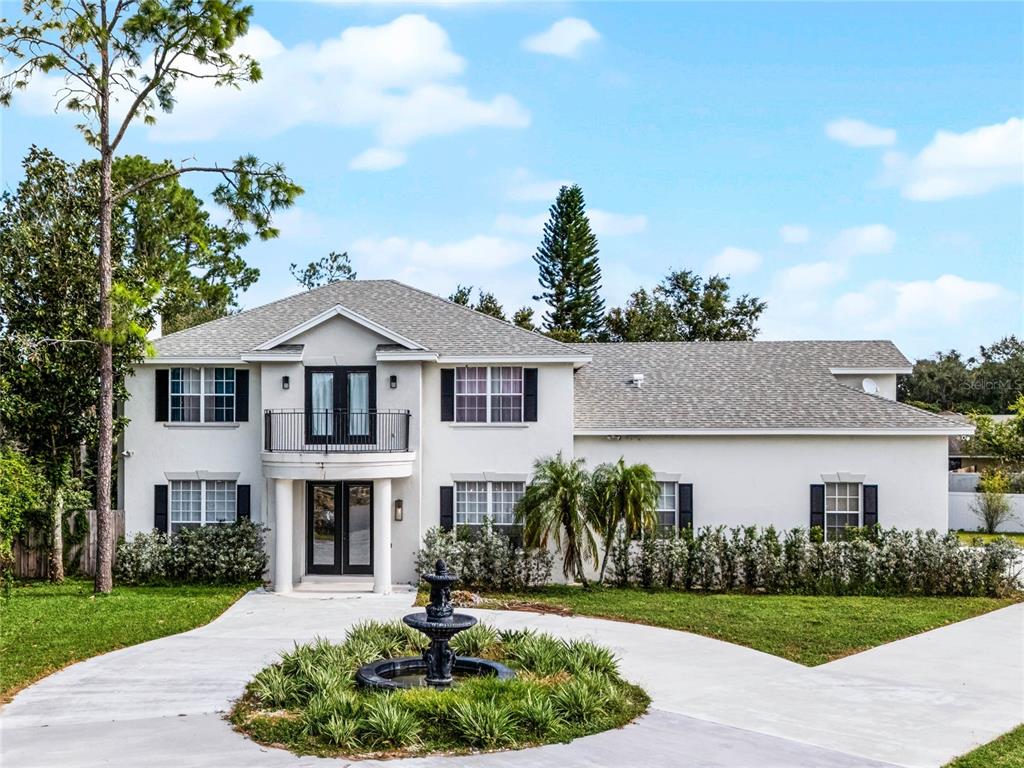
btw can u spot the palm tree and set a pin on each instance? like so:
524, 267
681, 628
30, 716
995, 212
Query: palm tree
554, 505
623, 496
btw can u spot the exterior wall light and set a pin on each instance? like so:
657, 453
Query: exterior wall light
393, 381
399, 511
285, 382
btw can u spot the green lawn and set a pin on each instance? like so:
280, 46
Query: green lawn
44, 627
808, 630
1005, 752
967, 537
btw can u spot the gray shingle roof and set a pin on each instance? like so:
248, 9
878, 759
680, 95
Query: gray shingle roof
739, 386
432, 322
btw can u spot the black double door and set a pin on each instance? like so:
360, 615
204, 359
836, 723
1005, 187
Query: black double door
339, 527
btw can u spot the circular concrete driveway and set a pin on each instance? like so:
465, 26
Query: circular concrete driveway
917, 702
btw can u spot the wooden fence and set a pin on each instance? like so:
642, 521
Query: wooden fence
32, 561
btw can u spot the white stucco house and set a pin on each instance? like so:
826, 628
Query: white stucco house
352, 418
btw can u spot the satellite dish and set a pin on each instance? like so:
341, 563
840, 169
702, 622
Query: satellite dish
870, 386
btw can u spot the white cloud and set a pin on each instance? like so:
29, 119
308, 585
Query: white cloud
607, 224
857, 133
888, 306
377, 159
480, 252
397, 79
961, 164
794, 233
869, 240
734, 261
563, 38
811, 277
526, 188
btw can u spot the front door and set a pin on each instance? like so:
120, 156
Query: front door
339, 528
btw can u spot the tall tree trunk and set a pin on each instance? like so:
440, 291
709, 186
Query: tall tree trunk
57, 537
104, 449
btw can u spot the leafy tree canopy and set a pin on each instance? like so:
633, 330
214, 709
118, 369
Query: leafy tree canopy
1002, 440
331, 268
988, 383
686, 307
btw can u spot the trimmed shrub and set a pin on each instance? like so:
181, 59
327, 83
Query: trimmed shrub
486, 558
866, 562
211, 554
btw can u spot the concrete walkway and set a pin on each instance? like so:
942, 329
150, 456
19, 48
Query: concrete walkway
916, 702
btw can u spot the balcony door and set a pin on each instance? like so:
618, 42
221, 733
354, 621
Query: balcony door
340, 405
339, 528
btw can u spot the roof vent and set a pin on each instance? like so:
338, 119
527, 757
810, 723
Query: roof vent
636, 380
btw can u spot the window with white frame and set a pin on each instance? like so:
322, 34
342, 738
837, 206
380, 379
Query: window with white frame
477, 500
202, 502
667, 504
842, 508
489, 394
202, 394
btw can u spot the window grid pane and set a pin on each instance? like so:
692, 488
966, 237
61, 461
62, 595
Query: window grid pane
186, 501
506, 394
186, 389
471, 394
667, 504
219, 394
504, 496
220, 501
842, 508
470, 503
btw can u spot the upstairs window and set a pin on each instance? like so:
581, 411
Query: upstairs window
485, 394
202, 394
842, 509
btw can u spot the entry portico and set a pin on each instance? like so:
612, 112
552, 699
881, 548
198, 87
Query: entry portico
306, 501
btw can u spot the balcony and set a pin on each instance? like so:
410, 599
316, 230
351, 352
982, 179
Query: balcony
335, 431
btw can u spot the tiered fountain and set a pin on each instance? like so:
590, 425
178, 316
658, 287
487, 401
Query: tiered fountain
438, 667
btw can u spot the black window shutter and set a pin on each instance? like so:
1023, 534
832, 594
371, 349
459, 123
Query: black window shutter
529, 394
241, 395
684, 498
447, 394
447, 507
817, 506
870, 505
160, 507
163, 394
243, 495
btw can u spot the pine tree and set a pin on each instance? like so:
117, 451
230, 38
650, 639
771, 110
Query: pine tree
569, 273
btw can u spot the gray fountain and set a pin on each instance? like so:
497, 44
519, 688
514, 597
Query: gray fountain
438, 667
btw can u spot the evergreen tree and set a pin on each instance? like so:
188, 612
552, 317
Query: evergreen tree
569, 273
523, 318
487, 303
461, 295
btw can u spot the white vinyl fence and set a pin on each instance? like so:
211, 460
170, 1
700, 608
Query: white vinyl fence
961, 516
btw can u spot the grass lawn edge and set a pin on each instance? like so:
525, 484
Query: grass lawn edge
1006, 751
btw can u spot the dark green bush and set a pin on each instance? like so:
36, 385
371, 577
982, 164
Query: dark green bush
212, 554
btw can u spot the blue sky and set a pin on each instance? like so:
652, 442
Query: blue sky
859, 166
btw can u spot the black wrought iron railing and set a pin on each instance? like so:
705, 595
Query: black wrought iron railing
335, 431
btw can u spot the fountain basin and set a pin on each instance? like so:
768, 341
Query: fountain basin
411, 672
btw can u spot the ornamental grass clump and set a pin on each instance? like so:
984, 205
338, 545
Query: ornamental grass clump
309, 702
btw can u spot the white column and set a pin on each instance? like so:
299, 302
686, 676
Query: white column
382, 536
283, 535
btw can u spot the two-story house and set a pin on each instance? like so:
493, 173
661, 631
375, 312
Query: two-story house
352, 418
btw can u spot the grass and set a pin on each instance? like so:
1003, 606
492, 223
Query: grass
309, 703
1005, 752
44, 627
807, 630
967, 537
